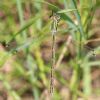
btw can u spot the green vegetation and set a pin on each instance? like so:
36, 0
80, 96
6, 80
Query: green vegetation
26, 46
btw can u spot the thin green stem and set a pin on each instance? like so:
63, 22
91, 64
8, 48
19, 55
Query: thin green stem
21, 17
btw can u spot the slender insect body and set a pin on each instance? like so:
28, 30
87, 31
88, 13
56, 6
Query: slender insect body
55, 20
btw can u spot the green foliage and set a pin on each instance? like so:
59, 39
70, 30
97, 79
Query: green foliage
27, 24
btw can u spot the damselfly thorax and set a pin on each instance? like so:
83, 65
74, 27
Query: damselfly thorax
55, 20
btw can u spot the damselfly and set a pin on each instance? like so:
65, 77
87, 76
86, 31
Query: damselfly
88, 48
55, 20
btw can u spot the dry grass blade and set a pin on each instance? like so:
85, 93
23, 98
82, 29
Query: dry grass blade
63, 51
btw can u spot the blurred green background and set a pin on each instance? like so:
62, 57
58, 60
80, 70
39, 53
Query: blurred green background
26, 46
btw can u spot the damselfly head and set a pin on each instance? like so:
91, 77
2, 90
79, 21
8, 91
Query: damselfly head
94, 54
9, 46
55, 16
4, 44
